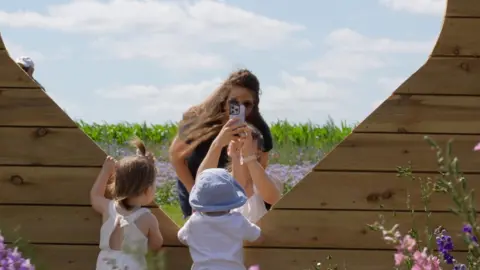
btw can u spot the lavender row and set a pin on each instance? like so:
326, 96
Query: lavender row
288, 174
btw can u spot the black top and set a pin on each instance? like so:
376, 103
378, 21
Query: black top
199, 153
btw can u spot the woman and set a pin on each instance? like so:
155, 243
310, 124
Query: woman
202, 123
246, 169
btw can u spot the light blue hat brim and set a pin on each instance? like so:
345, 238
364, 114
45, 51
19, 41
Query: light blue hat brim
238, 202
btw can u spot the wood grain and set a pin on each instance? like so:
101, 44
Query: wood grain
31, 107
425, 114
364, 191
2, 44
444, 76
282, 228
458, 38
345, 229
84, 257
68, 224
11, 75
48, 146
81, 257
384, 152
463, 8
41, 185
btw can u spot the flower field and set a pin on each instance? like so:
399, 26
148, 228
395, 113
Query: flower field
297, 148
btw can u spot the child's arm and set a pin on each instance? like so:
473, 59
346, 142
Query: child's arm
97, 194
251, 232
239, 172
183, 233
155, 237
266, 187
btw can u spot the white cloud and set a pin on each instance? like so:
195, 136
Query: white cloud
168, 99
70, 107
351, 54
429, 7
293, 97
390, 84
346, 39
178, 32
16, 50
337, 64
299, 98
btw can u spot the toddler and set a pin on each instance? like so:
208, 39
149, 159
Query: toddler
213, 233
128, 230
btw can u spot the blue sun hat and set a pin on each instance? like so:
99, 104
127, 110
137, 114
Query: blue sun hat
216, 190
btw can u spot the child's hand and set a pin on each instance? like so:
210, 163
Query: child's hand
109, 165
234, 149
249, 147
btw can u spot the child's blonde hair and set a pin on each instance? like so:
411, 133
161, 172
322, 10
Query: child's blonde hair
133, 175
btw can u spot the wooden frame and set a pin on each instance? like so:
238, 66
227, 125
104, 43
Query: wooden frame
344, 191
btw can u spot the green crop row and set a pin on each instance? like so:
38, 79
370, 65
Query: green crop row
283, 132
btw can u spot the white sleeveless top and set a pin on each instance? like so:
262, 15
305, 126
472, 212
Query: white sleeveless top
134, 245
255, 208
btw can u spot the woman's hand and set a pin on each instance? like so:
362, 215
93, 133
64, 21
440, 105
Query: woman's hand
231, 129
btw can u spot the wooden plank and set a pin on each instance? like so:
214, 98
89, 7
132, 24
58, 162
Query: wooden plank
48, 146
2, 44
84, 257
364, 191
31, 107
345, 229
463, 8
445, 76
67, 224
425, 114
283, 228
384, 152
11, 75
458, 38
41, 185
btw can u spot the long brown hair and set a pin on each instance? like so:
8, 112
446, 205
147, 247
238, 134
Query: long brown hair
133, 175
205, 120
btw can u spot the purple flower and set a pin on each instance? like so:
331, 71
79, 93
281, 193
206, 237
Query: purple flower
11, 259
468, 230
445, 245
460, 267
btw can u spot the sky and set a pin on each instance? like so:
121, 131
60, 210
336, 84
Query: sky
149, 60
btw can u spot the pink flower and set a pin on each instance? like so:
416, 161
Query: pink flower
477, 147
425, 262
408, 243
254, 267
399, 258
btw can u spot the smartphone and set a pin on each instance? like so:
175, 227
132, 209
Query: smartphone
237, 110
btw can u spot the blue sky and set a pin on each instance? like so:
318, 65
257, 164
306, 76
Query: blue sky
147, 60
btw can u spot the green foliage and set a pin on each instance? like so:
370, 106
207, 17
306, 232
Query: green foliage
283, 132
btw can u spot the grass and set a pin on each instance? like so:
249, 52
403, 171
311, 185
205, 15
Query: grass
174, 212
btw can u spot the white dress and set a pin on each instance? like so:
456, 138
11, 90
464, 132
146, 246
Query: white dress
255, 208
134, 245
